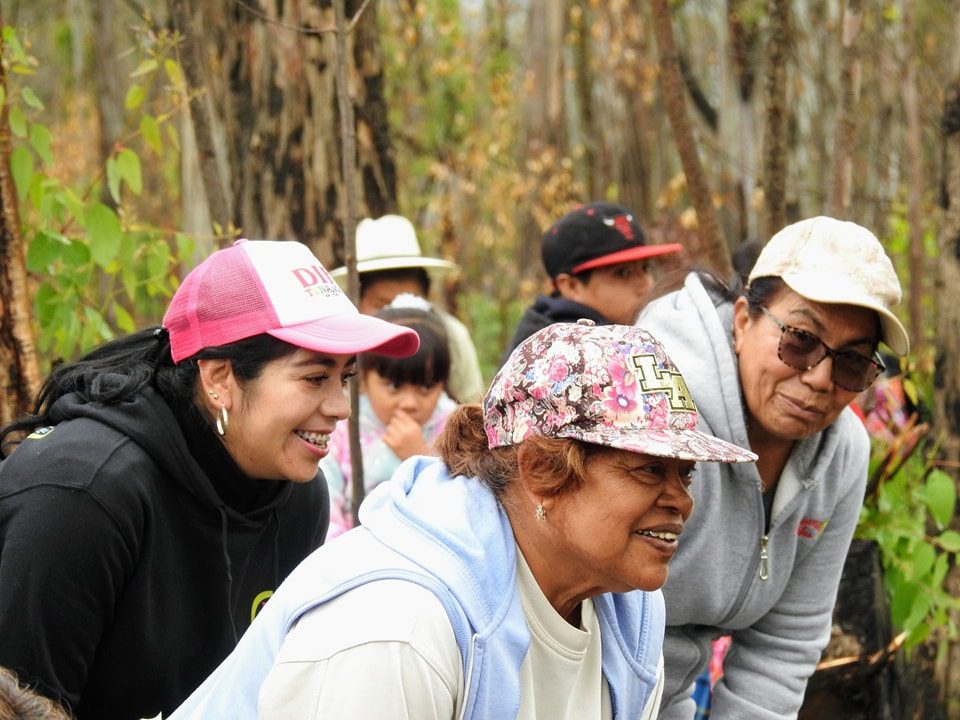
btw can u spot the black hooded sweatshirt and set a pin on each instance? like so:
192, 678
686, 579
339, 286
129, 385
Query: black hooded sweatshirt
547, 310
134, 553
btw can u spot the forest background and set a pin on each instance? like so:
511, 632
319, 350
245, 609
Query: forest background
137, 135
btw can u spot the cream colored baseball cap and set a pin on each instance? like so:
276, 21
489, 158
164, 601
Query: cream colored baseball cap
834, 261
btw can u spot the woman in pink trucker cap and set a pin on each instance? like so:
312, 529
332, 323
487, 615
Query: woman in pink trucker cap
773, 368
169, 481
516, 576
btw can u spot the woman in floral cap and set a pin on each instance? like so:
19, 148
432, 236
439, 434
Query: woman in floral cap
517, 576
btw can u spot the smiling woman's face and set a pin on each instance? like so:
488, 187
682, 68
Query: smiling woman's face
280, 422
783, 403
618, 530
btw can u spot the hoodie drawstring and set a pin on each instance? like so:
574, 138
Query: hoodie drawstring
276, 549
229, 568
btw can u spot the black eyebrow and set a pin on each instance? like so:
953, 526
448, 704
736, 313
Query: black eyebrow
820, 328
326, 361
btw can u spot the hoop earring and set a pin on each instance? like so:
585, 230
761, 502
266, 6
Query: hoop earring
223, 420
539, 514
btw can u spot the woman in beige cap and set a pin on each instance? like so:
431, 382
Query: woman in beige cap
773, 369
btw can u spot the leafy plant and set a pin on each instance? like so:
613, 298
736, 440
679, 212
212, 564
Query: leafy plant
908, 509
96, 266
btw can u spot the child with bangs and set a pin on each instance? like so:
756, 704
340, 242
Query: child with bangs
403, 408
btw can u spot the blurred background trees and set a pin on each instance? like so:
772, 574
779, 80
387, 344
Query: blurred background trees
144, 132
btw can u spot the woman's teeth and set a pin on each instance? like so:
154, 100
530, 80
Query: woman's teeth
668, 536
318, 439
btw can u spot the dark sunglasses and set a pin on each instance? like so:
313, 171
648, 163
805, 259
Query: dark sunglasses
803, 350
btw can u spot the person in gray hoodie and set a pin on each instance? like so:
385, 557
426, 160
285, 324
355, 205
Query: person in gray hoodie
773, 370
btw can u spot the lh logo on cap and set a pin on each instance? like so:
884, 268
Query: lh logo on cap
653, 379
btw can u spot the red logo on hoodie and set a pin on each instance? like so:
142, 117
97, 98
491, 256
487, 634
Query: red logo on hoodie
810, 528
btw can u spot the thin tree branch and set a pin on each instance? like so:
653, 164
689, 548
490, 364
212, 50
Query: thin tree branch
143, 14
713, 246
700, 100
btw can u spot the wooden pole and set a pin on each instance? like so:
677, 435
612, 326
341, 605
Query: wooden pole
19, 370
348, 147
713, 247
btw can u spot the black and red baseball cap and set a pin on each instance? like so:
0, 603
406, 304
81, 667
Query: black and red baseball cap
596, 235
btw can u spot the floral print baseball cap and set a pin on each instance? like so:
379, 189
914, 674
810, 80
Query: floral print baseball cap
609, 385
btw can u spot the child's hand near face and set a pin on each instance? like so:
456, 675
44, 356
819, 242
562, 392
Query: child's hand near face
404, 435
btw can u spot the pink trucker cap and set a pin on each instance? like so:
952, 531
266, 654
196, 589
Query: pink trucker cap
609, 385
277, 287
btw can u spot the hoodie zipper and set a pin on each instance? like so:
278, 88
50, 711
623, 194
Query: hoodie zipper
764, 559
468, 679
761, 566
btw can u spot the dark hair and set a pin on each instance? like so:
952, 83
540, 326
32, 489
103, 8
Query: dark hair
556, 463
760, 293
21, 703
429, 365
745, 257
417, 274
121, 368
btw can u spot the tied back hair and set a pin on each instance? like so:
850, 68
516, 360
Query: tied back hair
554, 465
119, 369
759, 294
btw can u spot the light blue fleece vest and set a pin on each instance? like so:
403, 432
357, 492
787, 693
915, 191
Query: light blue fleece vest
451, 536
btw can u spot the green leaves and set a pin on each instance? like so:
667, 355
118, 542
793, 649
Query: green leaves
150, 132
939, 494
912, 498
134, 97
103, 233
949, 541
21, 166
40, 141
124, 167
46, 248
30, 98
96, 270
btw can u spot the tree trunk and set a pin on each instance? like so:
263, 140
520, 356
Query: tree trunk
914, 173
845, 135
108, 93
349, 158
947, 380
738, 124
947, 377
775, 129
19, 371
544, 116
271, 78
543, 132
713, 249
203, 151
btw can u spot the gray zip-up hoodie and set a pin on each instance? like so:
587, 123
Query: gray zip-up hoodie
774, 592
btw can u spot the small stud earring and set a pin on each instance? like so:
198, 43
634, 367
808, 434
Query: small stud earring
214, 394
539, 514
